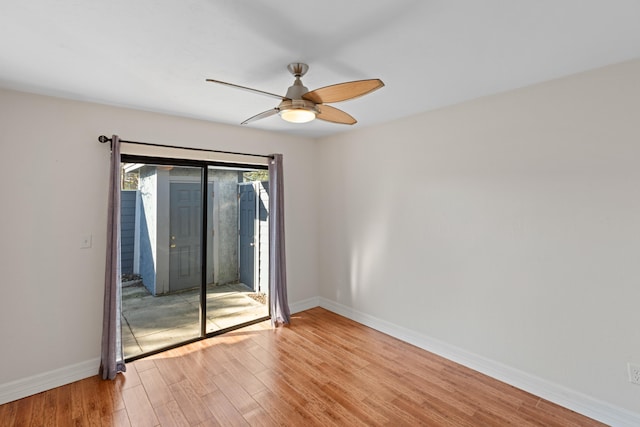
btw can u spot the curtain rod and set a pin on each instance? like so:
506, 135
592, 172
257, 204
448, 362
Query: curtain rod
103, 139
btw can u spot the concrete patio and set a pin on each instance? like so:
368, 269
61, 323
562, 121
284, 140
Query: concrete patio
153, 322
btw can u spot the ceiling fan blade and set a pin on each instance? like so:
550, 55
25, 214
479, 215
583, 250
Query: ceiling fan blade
333, 115
261, 115
273, 95
343, 91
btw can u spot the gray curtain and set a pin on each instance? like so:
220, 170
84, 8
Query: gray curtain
278, 258
112, 360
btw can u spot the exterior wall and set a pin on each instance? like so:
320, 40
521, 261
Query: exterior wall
127, 229
148, 227
225, 216
263, 236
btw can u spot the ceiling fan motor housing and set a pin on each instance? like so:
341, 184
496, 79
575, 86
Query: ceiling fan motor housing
294, 108
297, 104
296, 90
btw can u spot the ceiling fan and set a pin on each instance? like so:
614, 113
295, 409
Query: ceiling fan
300, 105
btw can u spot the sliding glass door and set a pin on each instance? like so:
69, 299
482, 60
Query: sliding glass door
240, 258
188, 249
161, 233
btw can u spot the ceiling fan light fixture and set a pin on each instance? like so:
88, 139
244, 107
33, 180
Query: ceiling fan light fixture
298, 115
297, 110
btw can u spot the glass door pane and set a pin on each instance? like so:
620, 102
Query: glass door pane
239, 260
161, 235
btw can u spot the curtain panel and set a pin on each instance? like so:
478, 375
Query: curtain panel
112, 356
278, 259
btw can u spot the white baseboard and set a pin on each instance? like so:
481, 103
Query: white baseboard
24, 387
303, 305
571, 399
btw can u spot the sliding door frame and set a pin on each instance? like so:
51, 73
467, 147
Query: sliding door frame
204, 168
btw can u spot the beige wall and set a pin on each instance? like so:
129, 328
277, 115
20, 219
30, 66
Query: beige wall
53, 185
508, 227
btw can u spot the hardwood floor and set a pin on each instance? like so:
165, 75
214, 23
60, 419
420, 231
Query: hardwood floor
323, 370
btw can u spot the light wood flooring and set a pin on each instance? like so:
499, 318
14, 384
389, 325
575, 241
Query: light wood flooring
322, 370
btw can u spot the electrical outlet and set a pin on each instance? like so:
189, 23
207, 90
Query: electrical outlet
85, 241
634, 373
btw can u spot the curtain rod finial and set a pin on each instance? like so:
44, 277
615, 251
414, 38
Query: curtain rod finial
103, 139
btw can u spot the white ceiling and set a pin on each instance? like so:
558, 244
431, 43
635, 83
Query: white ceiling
156, 54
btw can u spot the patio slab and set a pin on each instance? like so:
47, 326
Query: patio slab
153, 322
